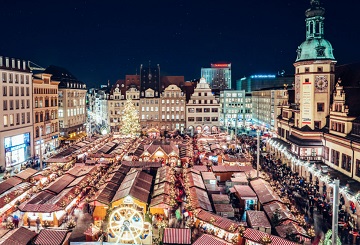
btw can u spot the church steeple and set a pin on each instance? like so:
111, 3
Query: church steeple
315, 20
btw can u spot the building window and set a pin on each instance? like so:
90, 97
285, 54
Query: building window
320, 69
320, 107
206, 109
326, 153
206, 119
198, 110
5, 105
214, 119
199, 119
346, 162
191, 110
335, 155
191, 119
307, 69
357, 168
317, 124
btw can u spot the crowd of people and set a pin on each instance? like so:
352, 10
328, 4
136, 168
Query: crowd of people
305, 196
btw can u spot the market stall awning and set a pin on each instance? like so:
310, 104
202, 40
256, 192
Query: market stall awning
256, 235
257, 219
19, 236
206, 239
51, 236
177, 236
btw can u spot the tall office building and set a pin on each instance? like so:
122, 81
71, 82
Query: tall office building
16, 123
218, 76
264, 81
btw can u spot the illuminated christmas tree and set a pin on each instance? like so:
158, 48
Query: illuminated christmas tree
130, 120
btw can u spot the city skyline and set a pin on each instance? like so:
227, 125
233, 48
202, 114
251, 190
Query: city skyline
98, 42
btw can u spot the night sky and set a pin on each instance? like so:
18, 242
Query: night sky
101, 40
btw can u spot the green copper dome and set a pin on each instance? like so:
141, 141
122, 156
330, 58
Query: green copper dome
316, 47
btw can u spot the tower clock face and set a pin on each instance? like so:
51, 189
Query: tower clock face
321, 83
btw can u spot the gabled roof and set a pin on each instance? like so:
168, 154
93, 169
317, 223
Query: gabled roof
136, 184
51, 237
19, 236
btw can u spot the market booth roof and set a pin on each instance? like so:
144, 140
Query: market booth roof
264, 191
219, 221
256, 235
19, 236
257, 219
245, 192
141, 164
9, 183
177, 236
284, 212
206, 239
27, 173
51, 237
291, 228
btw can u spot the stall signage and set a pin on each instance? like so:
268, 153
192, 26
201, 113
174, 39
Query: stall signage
14, 148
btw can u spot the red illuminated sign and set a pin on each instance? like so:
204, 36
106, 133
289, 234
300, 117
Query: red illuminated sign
220, 65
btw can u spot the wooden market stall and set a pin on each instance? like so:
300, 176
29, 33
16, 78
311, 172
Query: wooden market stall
264, 191
258, 221
220, 199
18, 236
247, 197
52, 236
279, 208
206, 239
253, 237
220, 227
160, 204
225, 210
209, 178
176, 236
294, 229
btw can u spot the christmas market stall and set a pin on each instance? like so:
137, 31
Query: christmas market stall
290, 230
224, 173
165, 152
216, 225
52, 236
206, 239
176, 236
256, 237
134, 191
18, 236
247, 197
264, 191
278, 213
258, 221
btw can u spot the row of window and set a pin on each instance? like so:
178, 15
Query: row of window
41, 117
204, 102
50, 129
199, 110
39, 102
203, 119
337, 126
345, 160
46, 91
15, 78
16, 119
19, 91
19, 104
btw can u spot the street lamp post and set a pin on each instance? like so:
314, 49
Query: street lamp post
258, 153
335, 212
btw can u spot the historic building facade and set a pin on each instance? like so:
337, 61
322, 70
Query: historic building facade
16, 110
202, 110
45, 112
71, 105
172, 111
321, 124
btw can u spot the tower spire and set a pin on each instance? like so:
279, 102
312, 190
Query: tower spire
315, 20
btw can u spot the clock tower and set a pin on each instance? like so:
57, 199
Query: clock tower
314, 72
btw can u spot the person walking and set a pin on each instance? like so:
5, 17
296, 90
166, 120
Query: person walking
37, 224
28, 221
